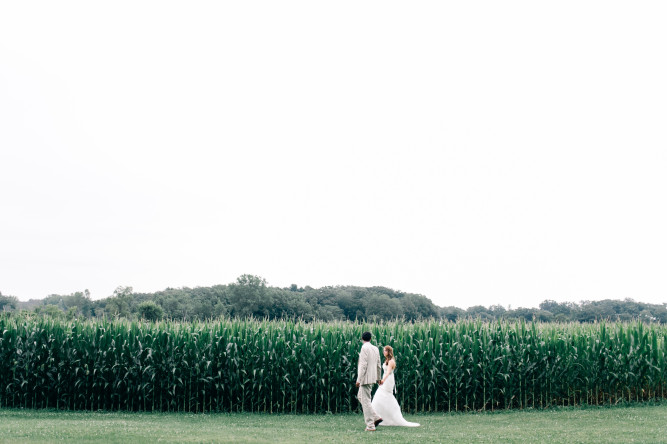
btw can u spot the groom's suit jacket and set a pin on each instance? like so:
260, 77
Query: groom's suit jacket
369, 370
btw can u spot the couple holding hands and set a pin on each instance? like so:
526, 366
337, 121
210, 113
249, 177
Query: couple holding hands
383, 408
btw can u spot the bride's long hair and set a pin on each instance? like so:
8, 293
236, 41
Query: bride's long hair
390, 354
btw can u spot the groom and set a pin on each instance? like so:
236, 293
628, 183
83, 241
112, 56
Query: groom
368, 373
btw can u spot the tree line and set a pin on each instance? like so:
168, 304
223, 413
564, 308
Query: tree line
251, 296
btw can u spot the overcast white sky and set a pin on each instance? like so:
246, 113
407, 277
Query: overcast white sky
473, 152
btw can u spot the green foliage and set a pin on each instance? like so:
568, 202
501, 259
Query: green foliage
552, 311
8, 302
80, 300
150, 311
298, 367
120, 304
251, 296
50, 311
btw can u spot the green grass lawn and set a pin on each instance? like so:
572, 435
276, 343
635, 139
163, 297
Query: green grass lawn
627, 424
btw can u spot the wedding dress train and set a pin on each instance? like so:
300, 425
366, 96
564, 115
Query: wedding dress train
386, 405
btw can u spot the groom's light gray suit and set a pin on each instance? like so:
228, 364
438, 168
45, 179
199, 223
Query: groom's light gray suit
369, 372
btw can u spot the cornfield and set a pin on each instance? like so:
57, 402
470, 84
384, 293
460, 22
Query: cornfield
297, 367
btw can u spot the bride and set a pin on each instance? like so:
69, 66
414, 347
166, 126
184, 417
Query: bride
384, 402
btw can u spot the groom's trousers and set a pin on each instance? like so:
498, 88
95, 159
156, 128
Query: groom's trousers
364, 396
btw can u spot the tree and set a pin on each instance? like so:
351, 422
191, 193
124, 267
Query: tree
329, 313
350, 302
419, 306
71, 313
119, 304
249, 297
380, 306
80, 300
451, 313
526, 313
480, 312
291, 304
8, 302
497, 310
150, 311
554, 307
51, 311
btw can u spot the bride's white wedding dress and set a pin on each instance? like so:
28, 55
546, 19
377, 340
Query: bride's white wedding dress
386, 405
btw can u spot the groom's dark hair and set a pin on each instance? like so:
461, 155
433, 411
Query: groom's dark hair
366, 336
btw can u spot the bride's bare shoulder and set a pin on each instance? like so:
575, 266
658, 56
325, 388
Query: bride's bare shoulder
392, 363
